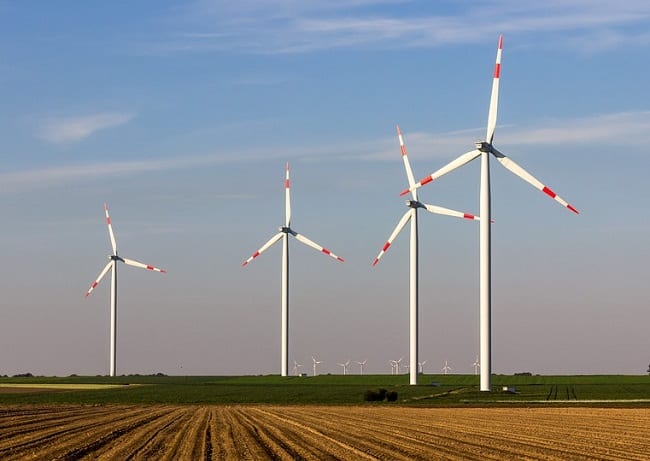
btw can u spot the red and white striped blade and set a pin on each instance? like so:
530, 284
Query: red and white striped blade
131, 262
407, 164
110, 230
400, 225
530, 179
494, 99
448, 212
316, 246
271, 241
287, 198
457, 163
99, 278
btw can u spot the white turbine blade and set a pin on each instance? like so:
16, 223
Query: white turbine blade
529, 178
494, 99
287, 198
315, 246
133, 263
400, 225
271, 241
407, 164
99, 279
446, 211
110, 230
457, 163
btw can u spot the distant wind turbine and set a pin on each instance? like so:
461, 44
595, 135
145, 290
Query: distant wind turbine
112, 264
421, 366
476, 365
446, 368
484, 149
395, 365
361, 364
412, 214
284, 233
296, 367
316, 362
345, 367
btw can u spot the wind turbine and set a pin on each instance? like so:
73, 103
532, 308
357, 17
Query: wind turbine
476, 365
421, 366
361, 364
316, 362
412, 214
112, 264
484, 149
284, 233
296, 366
395, 365
446, 368
345, 367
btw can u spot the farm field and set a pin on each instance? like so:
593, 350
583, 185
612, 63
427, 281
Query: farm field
205, 432
434, 390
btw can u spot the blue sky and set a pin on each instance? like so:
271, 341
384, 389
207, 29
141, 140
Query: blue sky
181, 116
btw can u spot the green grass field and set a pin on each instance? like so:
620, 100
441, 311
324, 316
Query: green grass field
434, 390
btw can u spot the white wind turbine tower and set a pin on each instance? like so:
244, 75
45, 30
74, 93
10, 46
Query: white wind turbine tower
345, 367
484, 149
361, 364
446, 368
112, 264
476, 365
316, 362
284, 233
296, 367
421, 366
412, 214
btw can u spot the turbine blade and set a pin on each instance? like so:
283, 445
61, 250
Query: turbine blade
287, 198
407, 164
315, 246
131, 262
110, 230
99, 278
457, 163
271, 241
400, 225
530, 179
494, 99
448, 212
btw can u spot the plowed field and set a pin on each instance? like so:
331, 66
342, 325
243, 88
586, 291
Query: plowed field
314, 432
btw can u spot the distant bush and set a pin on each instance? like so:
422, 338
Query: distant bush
23, 375
391, 396
379, 395
524, 373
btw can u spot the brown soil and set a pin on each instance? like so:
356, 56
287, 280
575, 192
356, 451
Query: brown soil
169, 432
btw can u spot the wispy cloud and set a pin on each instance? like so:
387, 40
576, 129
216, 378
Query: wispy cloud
291, 26
71, 129
622, 129
616, 129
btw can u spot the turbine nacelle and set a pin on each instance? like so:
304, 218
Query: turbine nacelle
484, 146
115, 258
285, 230
414, 204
